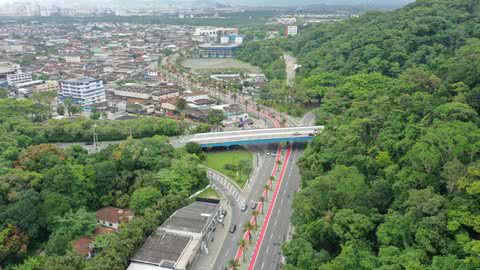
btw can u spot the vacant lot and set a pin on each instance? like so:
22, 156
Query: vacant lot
207, 65
222, 162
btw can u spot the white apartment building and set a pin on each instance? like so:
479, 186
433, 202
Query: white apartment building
292, 30
85, 91
19, 77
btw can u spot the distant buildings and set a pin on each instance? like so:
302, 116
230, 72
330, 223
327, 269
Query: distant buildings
8, 68
291, 30
176, 243
217, 42
37, 86
209, 50
234, 114
84, 92
213, 34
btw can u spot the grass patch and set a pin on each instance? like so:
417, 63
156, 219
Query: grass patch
209, 193
235, 164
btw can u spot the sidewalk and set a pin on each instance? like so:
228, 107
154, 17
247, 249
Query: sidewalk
207, 261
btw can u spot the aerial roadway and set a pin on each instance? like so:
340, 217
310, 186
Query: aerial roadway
265, 251
256, 136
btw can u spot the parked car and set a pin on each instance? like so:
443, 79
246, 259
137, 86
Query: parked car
224, 212
244, 207
253, 205
232, 229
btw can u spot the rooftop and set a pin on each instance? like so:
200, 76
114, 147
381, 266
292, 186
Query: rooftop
114, 215
81, 80
161, 248
218, 46
191, 218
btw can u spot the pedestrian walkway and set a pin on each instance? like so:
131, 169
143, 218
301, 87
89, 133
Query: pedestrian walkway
206, 261
228, 186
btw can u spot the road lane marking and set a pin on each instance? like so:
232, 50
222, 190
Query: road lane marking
270, 210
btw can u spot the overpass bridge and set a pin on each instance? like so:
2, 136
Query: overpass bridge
256, 136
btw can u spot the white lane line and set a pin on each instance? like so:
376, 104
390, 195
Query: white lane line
266, 253
275, 223
263, 264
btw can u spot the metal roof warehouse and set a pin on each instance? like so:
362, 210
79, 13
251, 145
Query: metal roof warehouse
176, 243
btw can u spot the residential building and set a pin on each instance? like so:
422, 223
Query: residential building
8, 68
111, 217
37, 86
234, 114
85, 91
73, 59
291, 30
84, 246
176, 243
193, 96
19, 77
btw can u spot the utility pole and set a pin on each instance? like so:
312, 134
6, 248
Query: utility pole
94, 138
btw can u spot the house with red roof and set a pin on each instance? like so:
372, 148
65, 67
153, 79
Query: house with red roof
111, 217
84, 246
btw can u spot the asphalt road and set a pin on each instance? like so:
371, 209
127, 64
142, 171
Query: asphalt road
269, 256
239, 218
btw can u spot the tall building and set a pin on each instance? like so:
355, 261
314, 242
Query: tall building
19, 77
84, 92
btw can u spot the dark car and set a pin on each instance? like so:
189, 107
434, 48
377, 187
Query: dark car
233, 228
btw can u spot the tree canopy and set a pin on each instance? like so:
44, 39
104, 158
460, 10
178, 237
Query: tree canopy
392, 180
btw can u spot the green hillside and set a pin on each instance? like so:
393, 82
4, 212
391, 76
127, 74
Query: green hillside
393, 181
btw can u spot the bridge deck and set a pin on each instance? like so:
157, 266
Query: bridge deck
256, 136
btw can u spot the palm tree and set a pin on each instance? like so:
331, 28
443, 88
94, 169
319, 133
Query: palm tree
262, 199
266, 188
271, 178
255, 214
243, 244
279, 162
233, 264
248, 227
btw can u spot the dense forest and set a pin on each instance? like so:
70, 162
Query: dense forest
49, 195
393, 180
